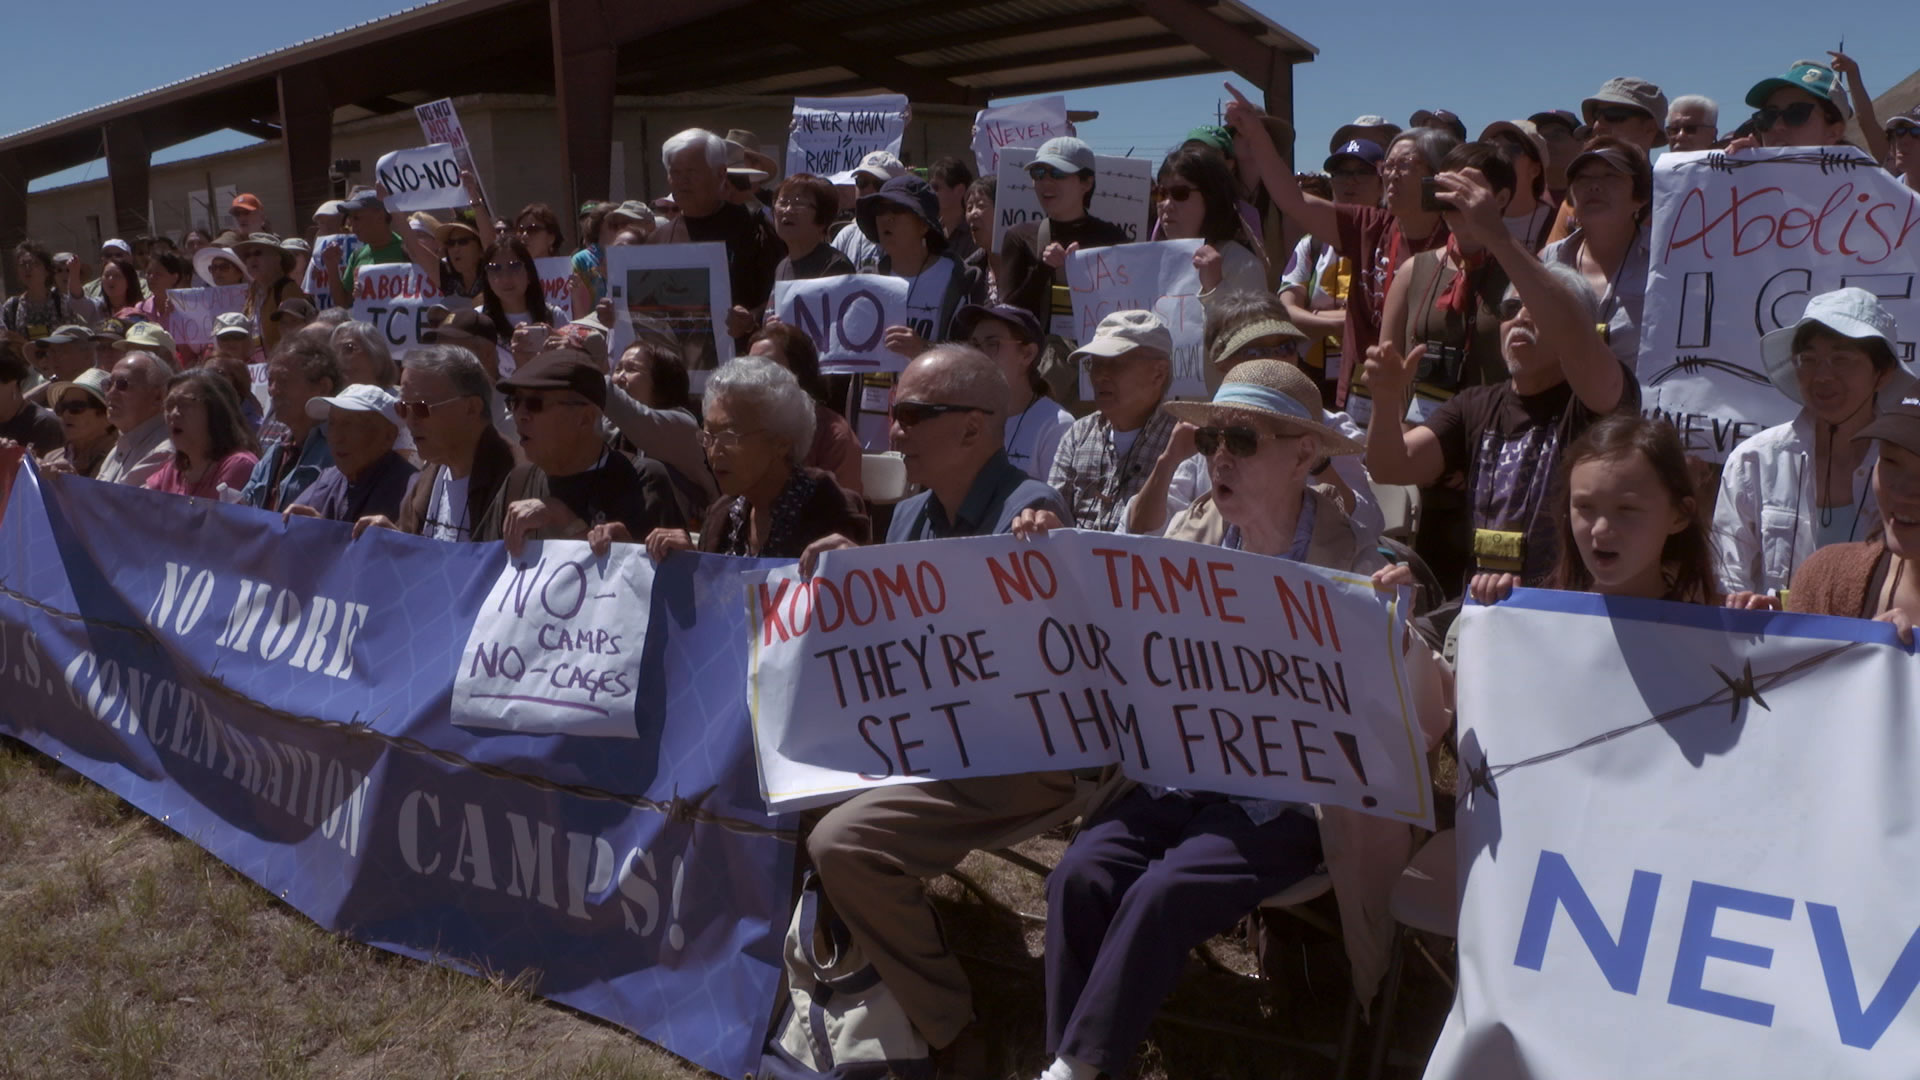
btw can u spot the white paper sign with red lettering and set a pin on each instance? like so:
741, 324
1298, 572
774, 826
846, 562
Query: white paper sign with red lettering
1024, 123
1188, 666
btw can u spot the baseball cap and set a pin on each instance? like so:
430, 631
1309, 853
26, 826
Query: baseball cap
330, 208
1212, 135
1636, 93
1850, 312
469, 321
1362, 128
1124, 331
232, 324
1358, 149
1066, 153
365, 200
92, 381
581, 336
1897, 424
1906, 121
1443, 119
293, 308
70, 334
1555, 116
246, 201
111, 329
880, 165
118, 245
360, 397
1022, 320
561, 369
631, 210
1816, 79
147, 337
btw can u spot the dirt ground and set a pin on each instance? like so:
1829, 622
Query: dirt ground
128, 953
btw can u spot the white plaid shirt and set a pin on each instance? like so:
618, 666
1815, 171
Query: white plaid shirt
1097, 480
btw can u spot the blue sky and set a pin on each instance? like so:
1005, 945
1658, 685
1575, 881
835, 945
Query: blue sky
1485, 61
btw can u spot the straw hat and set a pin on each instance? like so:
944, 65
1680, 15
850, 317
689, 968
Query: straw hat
1275, 391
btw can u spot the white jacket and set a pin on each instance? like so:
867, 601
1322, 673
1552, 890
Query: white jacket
1763, 524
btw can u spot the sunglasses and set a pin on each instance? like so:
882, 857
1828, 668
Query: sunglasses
421, 410
459, 241
1684, 129
1355, 172
1795, 114
1277, 350
506, 268
71, 408
1619, 114
533, 406
1240, 440
1173, 193
1047, 172
912, 413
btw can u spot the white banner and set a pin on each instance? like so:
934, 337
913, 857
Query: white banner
831, 135
556, 282
193, 311
396, 300
1157, 276
1739, 245
1121, 188
1189, 666
440, 123
674, 294
556, 647
1026, 123
846, 316
1687, 842
427, 178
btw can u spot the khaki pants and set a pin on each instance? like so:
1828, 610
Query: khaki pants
873, 851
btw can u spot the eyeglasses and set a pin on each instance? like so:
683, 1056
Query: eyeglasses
1684, 129
988, 345
1620, 114
534, 406
529, 230
506, 268
791, 203
1795, 114
1037, 171
1835, 363
421, 410
71, 408
1173, 193
724, 439
913, 413
119, 382
1240, 440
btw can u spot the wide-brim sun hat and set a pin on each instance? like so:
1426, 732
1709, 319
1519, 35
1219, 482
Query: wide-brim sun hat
204, 258
1850, 312
1274, 391
1252, 332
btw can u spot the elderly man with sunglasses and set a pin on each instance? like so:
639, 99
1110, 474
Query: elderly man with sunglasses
873, 851
136, 393
446, 401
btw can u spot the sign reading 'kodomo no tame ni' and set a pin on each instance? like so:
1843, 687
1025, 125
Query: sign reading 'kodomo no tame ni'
1188, 666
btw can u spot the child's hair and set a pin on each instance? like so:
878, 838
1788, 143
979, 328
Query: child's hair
1687, 559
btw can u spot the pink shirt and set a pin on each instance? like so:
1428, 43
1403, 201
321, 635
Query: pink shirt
233, 471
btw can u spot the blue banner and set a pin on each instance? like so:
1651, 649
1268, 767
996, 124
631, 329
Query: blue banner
279, 694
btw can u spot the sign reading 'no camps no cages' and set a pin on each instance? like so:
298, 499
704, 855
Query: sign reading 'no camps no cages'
427, 178
1188, 666
1739, 244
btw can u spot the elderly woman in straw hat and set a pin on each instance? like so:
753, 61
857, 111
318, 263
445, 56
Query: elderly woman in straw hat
1155, 872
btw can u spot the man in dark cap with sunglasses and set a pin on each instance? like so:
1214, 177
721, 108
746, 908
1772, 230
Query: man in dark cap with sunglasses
873, 851
572, 486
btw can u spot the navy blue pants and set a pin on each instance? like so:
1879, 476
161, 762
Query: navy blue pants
1142, 885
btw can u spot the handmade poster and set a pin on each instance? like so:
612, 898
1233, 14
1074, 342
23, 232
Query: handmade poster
1686, 841
1156, 276
676, 295
556, 284
1025, 123
846, 317
427, 178
440, 123
829, 136
397, 300
1739, 245
316, 286
1187, 665
1121, 189
193, 311
556, 647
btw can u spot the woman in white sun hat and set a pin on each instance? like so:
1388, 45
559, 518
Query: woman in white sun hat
1804, 484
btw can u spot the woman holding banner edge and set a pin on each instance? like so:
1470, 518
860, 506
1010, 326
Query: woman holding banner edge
1156, 872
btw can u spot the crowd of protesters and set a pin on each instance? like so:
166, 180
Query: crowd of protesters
1456, 316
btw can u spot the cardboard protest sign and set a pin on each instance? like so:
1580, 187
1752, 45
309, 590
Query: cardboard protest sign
1121, 188
1686, 824
315, 285
556, 647
556, 283
832, 135
1739, 245
1025, 123
192, 311
846, 317
1156, 276
676, 295
440, 123
396, 300
427, 178
1189, 666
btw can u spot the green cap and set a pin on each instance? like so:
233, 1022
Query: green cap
1213, 135
1816, 79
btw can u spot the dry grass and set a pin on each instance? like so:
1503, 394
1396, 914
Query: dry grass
128, 953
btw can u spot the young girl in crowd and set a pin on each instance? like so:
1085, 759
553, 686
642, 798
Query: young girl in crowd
1629, 523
